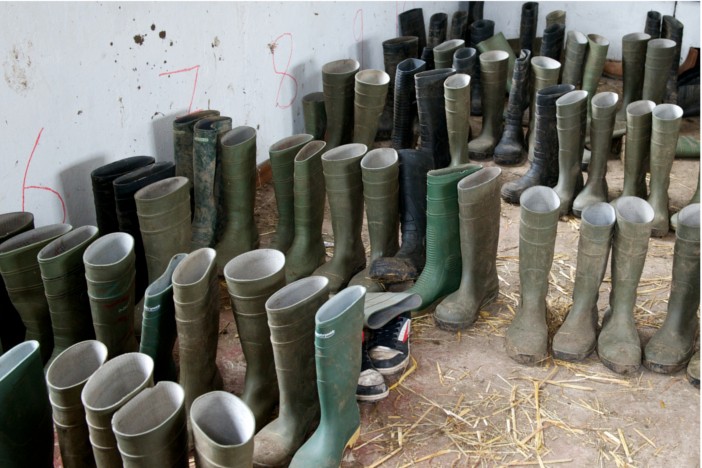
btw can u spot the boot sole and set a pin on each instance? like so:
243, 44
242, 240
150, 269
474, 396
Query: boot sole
665, 368
624, 369
570, 357
527, 359
372, 398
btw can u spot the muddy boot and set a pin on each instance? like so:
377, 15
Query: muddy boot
291, 313
443, 53
252, 278
672, 29
552, 42
594, 65
633, 67
282, 156
693, 370
314, 115
618, 345
405, 112
571, 115
411, 23
495, 43
370, 93
431, 107
438, 28
653, 24
479, 31
695, 199
575, 50
511, 148
526, 339
479, 206
577, 337
337, 341
665, 128
66, 377
395, 51
338, 87
409, 261
457, 101
544, 73
459, 25
493, 70
63, 275
527, 26
659, 60
604, 107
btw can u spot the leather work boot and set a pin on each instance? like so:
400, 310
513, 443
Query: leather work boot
314, 115
575, 50
370, 93
457, 98
511, 149
405, 110
431, 108
633, 68
571, 116
338, 87
395, 51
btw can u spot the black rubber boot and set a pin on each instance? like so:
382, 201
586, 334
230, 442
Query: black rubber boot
479, 31
438, 25
427, 57
653, 24
552, 42
527, 27
405, 103
412, 24
432, 114
475, 11
459, 26
512, 149
395, 51
672, 29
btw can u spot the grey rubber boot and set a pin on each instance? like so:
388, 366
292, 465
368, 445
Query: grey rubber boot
511, 149
314, 114
618, 345
526, 340
223, 429
672, 29
659, 59
544, 73
633, 66
479, 216
498, 42
66, 377
291, 313
493, 73
443, 53
338, 87
695, 199
571, 114
457, 99
670, 349
370, 93
576, 339
594, 65
653, 24
395, 51
252, 278
575, 50
107, 390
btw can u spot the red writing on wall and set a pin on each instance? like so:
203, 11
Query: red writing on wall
358, 31
196, 68
26, 187
273, 47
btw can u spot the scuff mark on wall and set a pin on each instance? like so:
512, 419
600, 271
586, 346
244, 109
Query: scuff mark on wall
17, 68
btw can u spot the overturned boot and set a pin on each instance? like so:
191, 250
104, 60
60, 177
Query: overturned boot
338, 87
493, 73
370, 93
405, 111
575, 50
457, 97
511, 148
571, 115
431, 107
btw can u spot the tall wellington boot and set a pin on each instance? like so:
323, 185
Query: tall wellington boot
442, 272
544, 73
291, 313
475, 11
395, 51
20, 272
459, 25
659, 59
672, 29
337, 342
443, 53
498, 42
66, 377
479, 217
575, 50
109, 273
457, 101
670, 349
63, 275
511, 148
282, 156
493, 72
527, 26
556, 17
183, 128
637, 149
111, 387
252, 278
237, 198
480, 30
653, 24
571, 119
380, 169
206, 163
104, 193
633, 67
431, 108
409, 261
526, 339
151, 429
338, 87
370, 93
344, 185
695, 199
604, 108
158, 326
223, 430
552, 41
438, 28
164, 221
314, 115
411, 23
594, 65
405, 111
25, 421
618, 345
577, 337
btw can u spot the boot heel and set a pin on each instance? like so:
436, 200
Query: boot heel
354, 438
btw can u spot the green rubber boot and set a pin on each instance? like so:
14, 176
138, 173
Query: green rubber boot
618, 345
370, 95
571, 118
338, 87
337, 342
498, 42
443, 53
594, 66
575, 50
577, 337
633, 67
688, 147
479, 206
695, 199
526, 340
314, 114
544, 73
457, 98
291, 313
659, 59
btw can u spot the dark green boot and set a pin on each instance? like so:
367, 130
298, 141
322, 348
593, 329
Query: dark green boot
571, 116
633, 67
637, 149
370, 93
659, 59
493, 73
314, 114
498, 42
544, 73
575, 50
457, 97
338, 88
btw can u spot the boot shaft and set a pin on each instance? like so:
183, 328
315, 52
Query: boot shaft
443, 52
315, 116
432, 113
594, 63
685, 284
338, 88
603, 110
653, 24
546, 145
411, 23
438, 26
309, 186
183, 141
638, 147
405, 106
552, 41
659, 59
457, 102
380, 170
459, 25
596, 231
493, 72
633, 67
527, 26
575, 50
370, 91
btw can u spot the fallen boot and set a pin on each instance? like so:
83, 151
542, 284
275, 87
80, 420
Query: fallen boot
493, 72
395, 51
443, 53
380, 308
405, 110
370, 93
659, 60
575, 50
431, 108
633, 68
571, 116
457, 97
338, 87
672, 29
314, 115
411, 23
695, 199
544, 73
693, 370
480, 30
511, 147
527, 26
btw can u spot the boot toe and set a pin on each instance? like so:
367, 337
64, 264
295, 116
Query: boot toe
526, 346
622, 358
452, 314
568, 347
271, 450
666, 357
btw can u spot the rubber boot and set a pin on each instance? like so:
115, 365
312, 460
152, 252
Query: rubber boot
693, 370
164, 221
252, 278
556, 17
344, 185
438, 28
337, 342
552, 42
237, 199
459, 25
109, 273
103, 190
544, 73
11, 326
370, 93
314, 115
571, 117
526, 339
431, 107
395, 51
63, 275
637, 149
405, 111
25, 421
594, 65
659, 59
381, 308
479, 217
291, 313
206, 164
575, 50
111, 387
665, 128
672, 29
493, 70
543, 170
158, 327
151, 429
695, 199
409, 261
223, 430
442, 272
443, 53
498, 42
479, 31
475, 11
427, 56
618, 345
338, 85
411, 23
672, 346
633, 67
20, 272
457, 102
282, 156
183, 128
465, 61
576, 339
380, 170
653, 24
604, 108
527, 26
65, 378
511, 148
